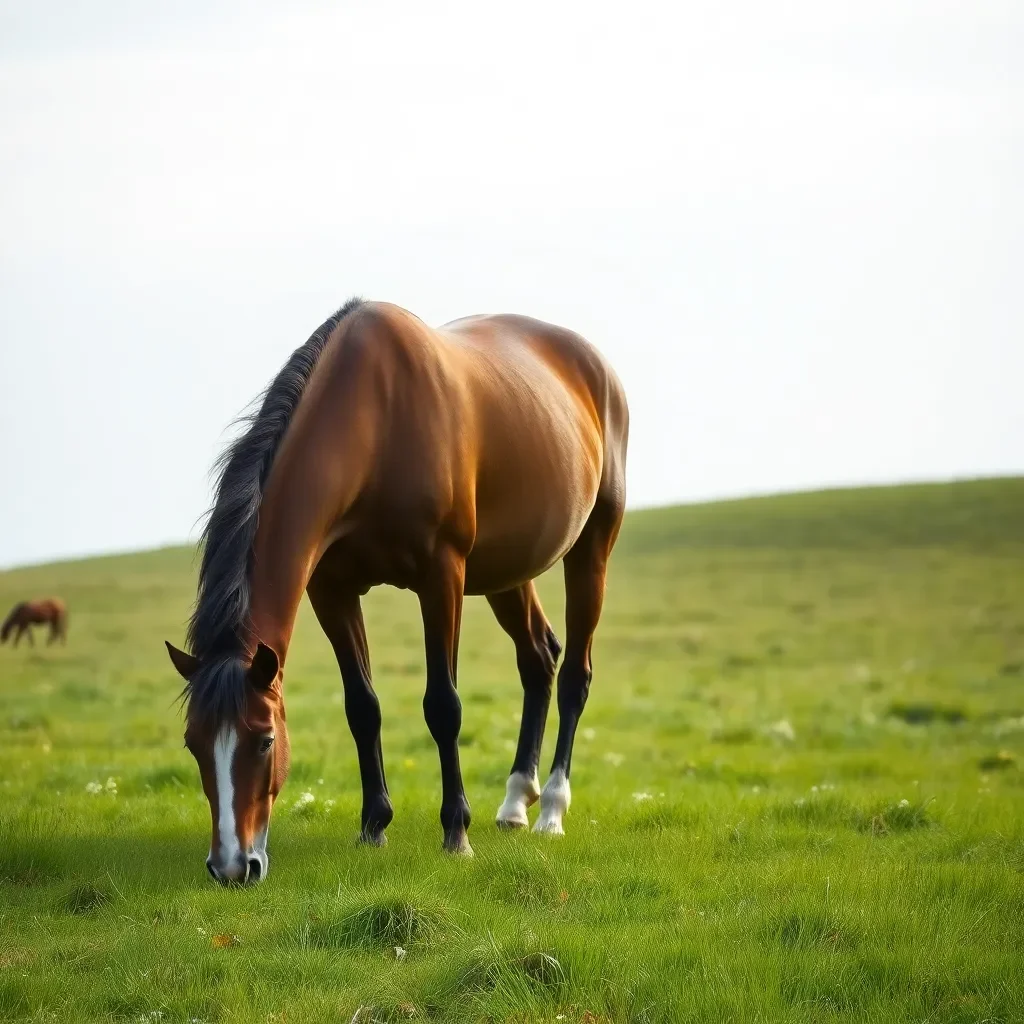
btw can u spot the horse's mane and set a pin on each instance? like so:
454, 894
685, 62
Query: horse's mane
218, 630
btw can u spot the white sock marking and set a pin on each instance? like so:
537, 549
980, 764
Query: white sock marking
521, 791
223, 758
554, 802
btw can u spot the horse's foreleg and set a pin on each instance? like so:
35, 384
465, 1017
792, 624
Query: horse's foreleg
519, 613
585, 568
341, 617
440, 597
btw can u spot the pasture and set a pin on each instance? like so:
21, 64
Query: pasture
797, 793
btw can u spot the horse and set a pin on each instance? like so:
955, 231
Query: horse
462, 460
26, 614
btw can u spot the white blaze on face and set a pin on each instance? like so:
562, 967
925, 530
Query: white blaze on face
223, 759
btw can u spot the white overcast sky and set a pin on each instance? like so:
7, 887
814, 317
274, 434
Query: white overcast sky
797, 229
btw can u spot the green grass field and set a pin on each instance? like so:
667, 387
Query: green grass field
798, 794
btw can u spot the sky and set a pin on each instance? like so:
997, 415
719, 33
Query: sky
796, 230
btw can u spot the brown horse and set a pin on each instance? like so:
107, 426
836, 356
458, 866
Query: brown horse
23, 616
463, 460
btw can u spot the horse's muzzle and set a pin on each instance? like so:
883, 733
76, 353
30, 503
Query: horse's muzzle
246, 870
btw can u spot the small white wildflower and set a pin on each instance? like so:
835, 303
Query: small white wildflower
640, 797
94, 787
201, 930
614, 759
782, 729
756, 789
589, 734
399, 953
593, 821
111, 785
319, 782
814, 789
800, 801
328, 804
904, 803
559, 1016
304, 800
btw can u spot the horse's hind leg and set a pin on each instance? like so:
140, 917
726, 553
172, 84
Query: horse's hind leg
585, 568
519, 613
341, 618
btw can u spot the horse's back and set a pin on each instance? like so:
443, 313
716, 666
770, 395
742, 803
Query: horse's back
553, 421
559, 362
495, 435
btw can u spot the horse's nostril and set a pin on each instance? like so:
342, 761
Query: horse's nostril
255, 869
213, 871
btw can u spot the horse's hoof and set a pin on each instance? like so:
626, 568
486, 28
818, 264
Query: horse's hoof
511, 824
458, 845
372, 839
549, 826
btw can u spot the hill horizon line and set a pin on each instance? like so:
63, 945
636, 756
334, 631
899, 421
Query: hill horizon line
785, 501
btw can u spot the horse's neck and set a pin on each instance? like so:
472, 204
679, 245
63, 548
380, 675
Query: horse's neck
280, 571
285, 550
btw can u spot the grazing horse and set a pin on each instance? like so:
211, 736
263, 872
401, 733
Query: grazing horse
23, 616
462, 460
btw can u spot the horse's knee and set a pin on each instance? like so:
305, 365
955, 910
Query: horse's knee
442, 710
573, 688
552, 643
538, 660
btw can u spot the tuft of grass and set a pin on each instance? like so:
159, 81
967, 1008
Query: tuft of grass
998, 762
925, 712
901, 816
381, 922
84, 898
23, 868
810, 929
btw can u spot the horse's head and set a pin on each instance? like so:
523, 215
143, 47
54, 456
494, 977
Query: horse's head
235, 729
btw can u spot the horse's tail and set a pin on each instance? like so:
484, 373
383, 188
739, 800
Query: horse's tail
10, 622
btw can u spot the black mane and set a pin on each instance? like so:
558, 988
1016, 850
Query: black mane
218, 632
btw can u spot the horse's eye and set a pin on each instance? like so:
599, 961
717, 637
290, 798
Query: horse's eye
266, 743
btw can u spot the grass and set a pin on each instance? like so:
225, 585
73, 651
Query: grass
797, 794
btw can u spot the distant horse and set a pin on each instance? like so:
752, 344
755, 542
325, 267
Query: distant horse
27, 614
462, 460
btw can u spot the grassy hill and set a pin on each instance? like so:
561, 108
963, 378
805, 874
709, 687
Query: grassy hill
797, 793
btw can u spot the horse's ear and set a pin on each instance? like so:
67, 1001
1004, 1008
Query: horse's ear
265, 666
186, 665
